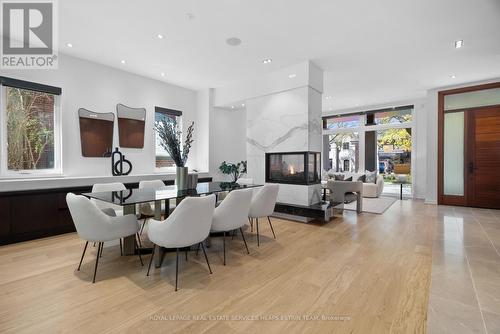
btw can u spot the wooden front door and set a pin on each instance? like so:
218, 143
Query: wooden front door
483, 157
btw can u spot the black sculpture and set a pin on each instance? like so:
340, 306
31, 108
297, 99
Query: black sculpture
117, 165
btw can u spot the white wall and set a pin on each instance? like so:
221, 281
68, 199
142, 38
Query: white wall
99, 88
203, 105
228, 139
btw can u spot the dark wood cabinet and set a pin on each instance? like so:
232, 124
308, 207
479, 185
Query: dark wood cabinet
33, 214
4, 217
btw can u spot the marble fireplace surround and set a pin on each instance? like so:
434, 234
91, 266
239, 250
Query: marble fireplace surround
288, 121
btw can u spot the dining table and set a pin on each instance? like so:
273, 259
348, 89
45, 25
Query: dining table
129, 199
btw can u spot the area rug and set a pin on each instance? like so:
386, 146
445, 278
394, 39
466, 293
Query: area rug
373, 205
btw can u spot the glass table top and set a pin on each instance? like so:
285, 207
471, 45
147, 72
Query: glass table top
135, 196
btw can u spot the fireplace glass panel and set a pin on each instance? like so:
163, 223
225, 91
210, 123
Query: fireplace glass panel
311, 170
286, 167
293, 167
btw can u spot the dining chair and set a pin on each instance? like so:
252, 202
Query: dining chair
108, 208
147, 209
188, 225
95, 226
262, 205
232, 214
245, 180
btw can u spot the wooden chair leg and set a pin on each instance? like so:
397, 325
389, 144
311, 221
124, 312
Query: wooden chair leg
224, 246
176, 267
143, 224
138, 250
272, 229
257, 225
206, 258
151, 261
243, 237
83, 254
99, 254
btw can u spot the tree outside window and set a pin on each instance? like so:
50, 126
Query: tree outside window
30, 129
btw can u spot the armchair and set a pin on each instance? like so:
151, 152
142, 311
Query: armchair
339, 189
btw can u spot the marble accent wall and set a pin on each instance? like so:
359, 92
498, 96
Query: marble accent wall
284, 122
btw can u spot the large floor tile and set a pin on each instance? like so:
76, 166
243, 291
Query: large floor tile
488, 271
488, 293
482, 253
448, 316
492, 321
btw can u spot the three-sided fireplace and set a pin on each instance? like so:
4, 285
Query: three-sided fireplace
293, 167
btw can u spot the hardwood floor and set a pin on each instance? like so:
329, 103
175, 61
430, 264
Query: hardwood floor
372, 272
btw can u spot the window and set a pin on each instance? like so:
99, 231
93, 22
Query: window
397, 115
163, 159
343, 152
29, 119
341, 122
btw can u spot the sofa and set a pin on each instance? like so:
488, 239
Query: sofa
372, 190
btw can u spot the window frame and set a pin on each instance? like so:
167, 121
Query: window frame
169, 112
364, 127
5, 173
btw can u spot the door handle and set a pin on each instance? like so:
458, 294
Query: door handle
471, 167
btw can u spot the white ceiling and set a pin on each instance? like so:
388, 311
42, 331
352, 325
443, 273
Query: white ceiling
371, 51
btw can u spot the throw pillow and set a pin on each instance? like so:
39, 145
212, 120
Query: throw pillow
371, 177
362, 178
348, 179
338, 177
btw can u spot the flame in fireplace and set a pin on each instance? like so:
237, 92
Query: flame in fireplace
291, 170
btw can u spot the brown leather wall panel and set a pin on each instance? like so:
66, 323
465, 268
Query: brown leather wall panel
96, 133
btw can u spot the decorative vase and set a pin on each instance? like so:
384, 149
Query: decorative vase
192, 180
181, 178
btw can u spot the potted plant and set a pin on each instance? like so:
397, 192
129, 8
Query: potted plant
171, 140
236, 170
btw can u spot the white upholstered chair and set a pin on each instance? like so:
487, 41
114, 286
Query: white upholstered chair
95, 226
108, 208
147, 209
263, 203
188, 225
232, 214
245, 180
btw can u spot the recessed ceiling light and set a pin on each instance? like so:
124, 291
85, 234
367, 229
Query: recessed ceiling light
232, 107
69, 45
190, 16
267, 61
459, 43
123, 61
233, 41
453, 76
162, 74
328, 97
160, 36
242, 104
291, 76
